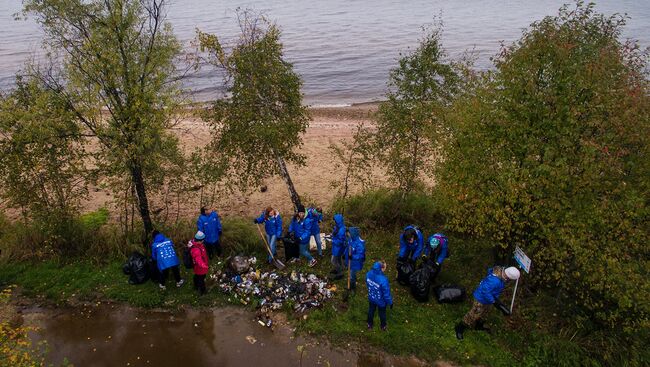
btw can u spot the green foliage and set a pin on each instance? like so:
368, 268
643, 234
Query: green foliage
412, 120
258, 127
94, 220
117, 79
390, 210
549, 152
41, 157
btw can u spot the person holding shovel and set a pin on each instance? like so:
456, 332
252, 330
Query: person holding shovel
355, 256
339, 244
487, 293
272, 228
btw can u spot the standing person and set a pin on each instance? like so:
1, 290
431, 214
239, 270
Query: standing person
163, 253
315, 216
339, 241
200, 261
356, 255
210, 224
487, 293
411, 244
272, 228
436, 250
301, 229
378, 294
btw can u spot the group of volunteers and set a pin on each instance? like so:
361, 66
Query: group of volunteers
348, 253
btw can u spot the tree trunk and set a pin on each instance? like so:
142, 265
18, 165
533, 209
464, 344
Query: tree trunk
143, 202
295, 199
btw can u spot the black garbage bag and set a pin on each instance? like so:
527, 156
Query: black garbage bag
137, 268
291, 247
404, 271
420, 282
449, 293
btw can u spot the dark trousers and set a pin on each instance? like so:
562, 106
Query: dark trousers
199, 283
213, 248
175, 270
371, 314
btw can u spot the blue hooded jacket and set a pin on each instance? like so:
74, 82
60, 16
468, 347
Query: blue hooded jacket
442, 250
490, 288
210, 225
272, 225
315, 218
415, 248
163, 253
338, 236
378, 287
301, 229
357, 248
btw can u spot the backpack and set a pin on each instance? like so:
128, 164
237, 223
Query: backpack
188, 262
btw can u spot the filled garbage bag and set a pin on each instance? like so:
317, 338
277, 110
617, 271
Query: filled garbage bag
404, 271
449, 293
291, 247
137, 268
420, 282
238, 264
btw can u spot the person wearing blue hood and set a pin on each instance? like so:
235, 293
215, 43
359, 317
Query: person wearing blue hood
210, 224
379, 296
339, 243
163, 253
355, 255
436, 251
315, 216
301, 228
272, 227
411, 244
487, 293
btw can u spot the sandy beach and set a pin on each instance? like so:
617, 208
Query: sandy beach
313, 181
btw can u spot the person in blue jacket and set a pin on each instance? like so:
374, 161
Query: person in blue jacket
355, 255
210, 224
487, 293
436, 251
163, 253
339, 243
315, 216
272, 227
301, 228
379, 296
411, 244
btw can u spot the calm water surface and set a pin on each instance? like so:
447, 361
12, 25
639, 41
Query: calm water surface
342, 48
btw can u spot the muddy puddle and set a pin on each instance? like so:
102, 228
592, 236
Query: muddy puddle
115, 335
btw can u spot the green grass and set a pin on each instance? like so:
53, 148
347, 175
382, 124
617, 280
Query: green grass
421, 329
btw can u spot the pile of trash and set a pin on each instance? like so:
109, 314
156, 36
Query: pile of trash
271, 290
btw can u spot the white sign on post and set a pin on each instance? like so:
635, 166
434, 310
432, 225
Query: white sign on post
524, 262
522, 259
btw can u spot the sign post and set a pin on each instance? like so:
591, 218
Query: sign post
524, 262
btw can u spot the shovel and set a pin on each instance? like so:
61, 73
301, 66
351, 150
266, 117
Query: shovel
277, 263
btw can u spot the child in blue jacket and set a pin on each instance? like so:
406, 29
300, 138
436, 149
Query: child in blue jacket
379, 296
315, 216
355, 255
436, 251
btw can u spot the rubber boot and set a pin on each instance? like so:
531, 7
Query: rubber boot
481, 327
460, 328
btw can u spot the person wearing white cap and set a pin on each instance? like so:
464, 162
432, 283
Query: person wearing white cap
200, 261
487, 293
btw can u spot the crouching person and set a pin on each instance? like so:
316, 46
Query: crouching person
163, 253
379, 296
200, 261
355, 255
435, 252
487, 293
